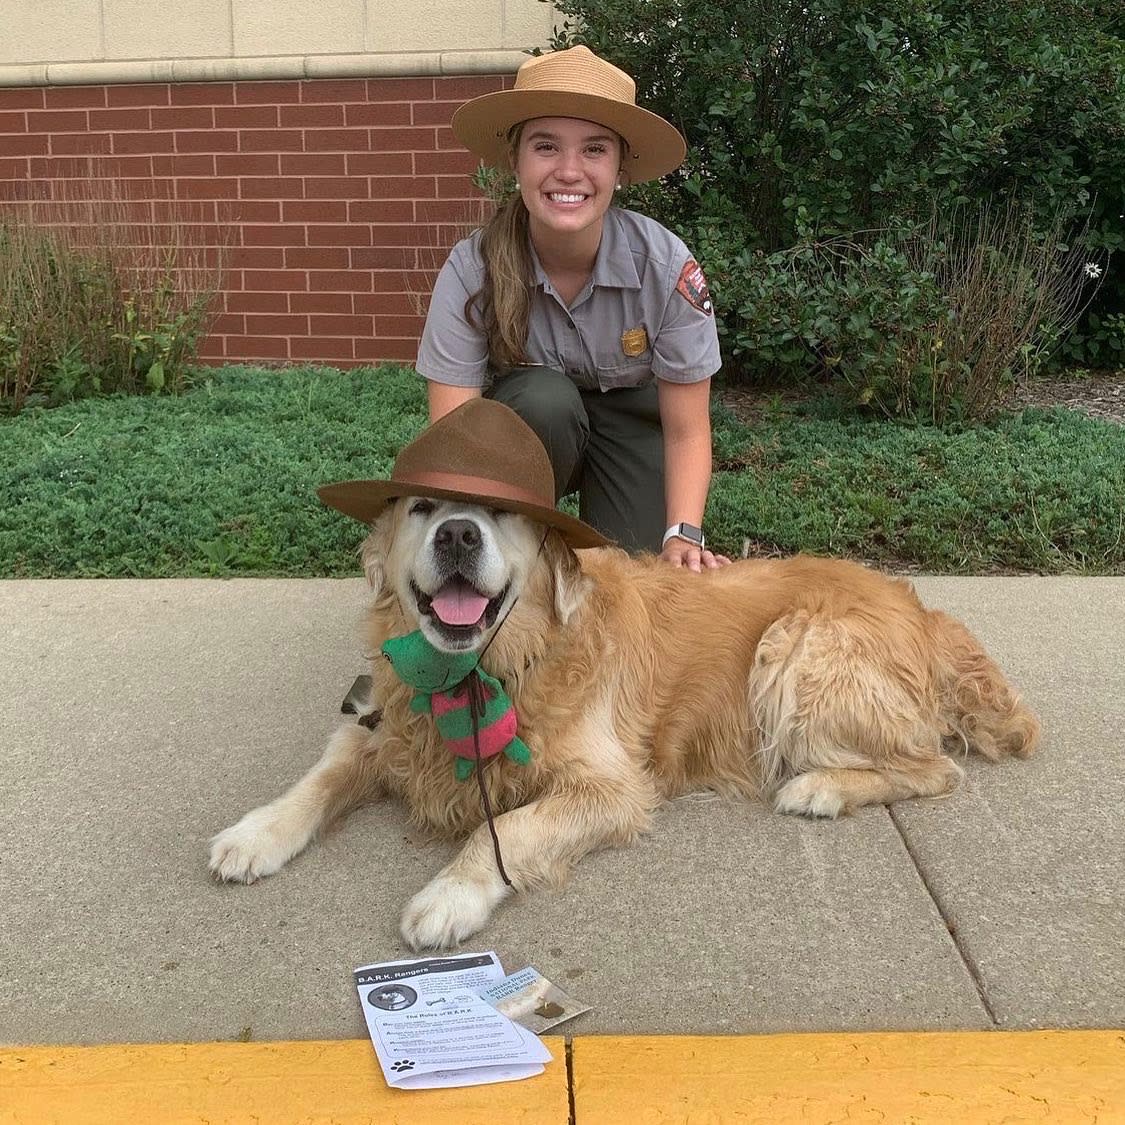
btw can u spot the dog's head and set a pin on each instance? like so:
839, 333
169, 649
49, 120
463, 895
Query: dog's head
457, 568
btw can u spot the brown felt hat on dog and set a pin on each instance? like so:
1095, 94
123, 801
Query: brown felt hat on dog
572, 83
482, 453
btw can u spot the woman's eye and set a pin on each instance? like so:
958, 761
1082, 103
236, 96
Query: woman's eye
421, 508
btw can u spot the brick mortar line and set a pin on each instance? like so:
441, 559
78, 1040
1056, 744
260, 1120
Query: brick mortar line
951, 928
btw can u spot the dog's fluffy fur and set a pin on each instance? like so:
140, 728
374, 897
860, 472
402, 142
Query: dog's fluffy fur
820, 684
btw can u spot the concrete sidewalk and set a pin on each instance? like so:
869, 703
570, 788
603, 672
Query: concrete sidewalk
138, 718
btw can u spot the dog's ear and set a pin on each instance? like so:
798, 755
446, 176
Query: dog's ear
571, 585
373, 550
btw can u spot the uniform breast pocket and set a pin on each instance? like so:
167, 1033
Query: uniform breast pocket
626, 375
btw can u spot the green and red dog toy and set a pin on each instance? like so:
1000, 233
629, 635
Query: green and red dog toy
442, 688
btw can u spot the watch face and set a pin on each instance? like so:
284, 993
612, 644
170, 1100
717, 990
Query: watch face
695, 534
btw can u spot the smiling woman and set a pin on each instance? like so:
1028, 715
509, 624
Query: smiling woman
592, 322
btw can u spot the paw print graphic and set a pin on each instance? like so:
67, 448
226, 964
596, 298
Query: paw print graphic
399, 1065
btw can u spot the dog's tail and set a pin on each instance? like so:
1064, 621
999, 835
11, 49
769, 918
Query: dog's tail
979, 708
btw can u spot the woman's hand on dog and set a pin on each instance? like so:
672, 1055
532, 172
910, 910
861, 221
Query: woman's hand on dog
679, 552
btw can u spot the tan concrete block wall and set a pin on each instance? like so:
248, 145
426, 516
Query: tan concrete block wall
267, 27
186, 28
468, 25
527, 24
38, 32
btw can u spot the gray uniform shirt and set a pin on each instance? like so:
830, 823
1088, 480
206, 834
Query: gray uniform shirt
644, 312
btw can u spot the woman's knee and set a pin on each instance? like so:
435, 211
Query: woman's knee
550, 403
538, 393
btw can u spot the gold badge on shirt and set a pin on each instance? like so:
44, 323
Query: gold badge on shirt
634, 342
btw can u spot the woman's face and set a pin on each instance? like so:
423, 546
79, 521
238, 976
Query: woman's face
567, 170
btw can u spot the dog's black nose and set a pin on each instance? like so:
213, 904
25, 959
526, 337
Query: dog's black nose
458, 535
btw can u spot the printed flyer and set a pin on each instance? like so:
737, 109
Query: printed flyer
431, 1028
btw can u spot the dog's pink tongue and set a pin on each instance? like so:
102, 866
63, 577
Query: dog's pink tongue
457, 603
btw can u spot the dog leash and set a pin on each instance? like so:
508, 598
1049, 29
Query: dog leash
476, 713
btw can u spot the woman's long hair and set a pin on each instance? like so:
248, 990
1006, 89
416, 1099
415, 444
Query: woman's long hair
502, 305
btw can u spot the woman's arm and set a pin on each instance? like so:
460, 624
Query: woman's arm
453, 352
444, 397
685, 415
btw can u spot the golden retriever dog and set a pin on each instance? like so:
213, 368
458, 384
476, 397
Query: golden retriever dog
821, 685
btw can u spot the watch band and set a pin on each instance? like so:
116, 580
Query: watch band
686, 531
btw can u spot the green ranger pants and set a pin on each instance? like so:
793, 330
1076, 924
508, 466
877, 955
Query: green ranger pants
607, 446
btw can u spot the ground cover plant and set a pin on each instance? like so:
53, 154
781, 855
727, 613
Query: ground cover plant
221, 481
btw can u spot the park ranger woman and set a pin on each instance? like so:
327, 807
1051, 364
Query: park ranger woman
592, 322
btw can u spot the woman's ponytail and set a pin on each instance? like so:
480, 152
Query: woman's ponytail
502, 305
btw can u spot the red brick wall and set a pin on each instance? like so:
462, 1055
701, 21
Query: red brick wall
343, 195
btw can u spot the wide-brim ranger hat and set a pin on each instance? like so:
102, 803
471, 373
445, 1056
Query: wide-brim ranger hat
481, 453
572, 83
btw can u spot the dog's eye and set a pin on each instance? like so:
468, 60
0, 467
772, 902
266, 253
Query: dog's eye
421, 508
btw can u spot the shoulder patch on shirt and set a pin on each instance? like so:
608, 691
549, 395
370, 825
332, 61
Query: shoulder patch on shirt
692, 286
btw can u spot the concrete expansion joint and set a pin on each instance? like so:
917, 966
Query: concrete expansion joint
572, 1120
966, 957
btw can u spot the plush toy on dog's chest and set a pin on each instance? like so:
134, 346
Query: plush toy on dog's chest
443, 687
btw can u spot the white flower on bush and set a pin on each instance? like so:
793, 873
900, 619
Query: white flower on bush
1092, 270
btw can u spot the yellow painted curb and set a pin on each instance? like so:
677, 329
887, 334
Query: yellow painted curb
951, 1078
335, 1081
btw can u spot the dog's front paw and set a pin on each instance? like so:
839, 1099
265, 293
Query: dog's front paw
810, 794
446, 912
257, 846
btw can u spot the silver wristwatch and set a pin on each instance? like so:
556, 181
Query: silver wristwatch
686, 531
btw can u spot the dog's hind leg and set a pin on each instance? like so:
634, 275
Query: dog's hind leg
266, 838
840, 723
830, 792
978, 705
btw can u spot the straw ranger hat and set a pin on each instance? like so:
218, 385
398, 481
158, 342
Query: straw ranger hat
482, 453
572, 83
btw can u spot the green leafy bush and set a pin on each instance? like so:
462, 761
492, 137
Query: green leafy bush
920, 324
1099, 341
814, 121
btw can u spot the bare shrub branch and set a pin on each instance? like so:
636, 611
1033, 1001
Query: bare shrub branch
103, 291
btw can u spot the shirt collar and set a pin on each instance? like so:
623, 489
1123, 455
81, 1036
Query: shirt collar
614, 267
